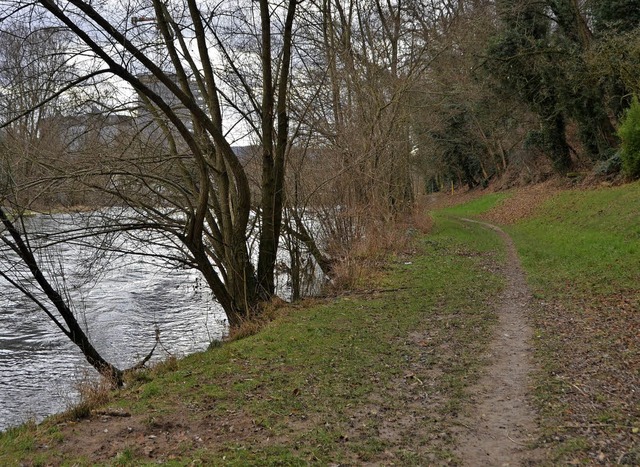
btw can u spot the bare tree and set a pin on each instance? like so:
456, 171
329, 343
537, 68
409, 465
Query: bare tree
350, 103
198, 191
15, 240
32, 68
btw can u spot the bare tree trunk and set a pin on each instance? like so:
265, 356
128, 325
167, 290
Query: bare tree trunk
218, 199
72, 330
273, 155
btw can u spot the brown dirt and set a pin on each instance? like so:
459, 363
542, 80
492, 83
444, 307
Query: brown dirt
524, 202
101, 438
591, 354
501, 424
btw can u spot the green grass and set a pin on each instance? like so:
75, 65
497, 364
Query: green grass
583, 242
334, 357
477, 206
20, 440
321, 384
581, 252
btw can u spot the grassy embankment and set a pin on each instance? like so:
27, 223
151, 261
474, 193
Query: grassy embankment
582, 254
378, 376
374, 376
581, 251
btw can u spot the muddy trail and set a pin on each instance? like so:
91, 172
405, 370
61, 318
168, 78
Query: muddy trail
500, 425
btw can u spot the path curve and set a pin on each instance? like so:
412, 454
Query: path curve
501, 424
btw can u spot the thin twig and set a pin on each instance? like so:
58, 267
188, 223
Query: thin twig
464, 425
514, 441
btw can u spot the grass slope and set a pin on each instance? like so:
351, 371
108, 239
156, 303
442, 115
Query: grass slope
374, 377
581, 251
582, 254
378, 376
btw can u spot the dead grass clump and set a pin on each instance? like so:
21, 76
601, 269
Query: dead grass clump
254, 324
360, 262
166, 366
524, 202
93, 393
247, 328
347, 273
420, 220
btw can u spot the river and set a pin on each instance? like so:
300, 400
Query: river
40, 369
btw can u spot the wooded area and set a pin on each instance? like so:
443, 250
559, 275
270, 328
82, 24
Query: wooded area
238, 134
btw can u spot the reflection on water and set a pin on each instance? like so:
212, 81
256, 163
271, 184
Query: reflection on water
39, 366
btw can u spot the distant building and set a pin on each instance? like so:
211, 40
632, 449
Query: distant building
145, 118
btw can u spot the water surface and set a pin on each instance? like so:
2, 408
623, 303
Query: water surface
120, 309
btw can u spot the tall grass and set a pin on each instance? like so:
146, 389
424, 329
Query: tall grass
360, 264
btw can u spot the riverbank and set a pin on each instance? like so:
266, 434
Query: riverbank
374, 376
386, 374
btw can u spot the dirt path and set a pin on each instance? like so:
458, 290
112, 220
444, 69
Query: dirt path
501, 423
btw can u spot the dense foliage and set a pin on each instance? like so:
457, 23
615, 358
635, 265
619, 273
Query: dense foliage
557, 76
629, 133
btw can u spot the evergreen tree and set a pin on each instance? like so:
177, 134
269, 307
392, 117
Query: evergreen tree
615, 15
523, 58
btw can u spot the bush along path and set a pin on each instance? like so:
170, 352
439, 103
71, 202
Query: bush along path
500, 426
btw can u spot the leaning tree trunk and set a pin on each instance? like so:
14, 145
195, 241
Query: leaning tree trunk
73, 330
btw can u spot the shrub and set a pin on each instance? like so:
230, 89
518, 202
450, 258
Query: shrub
611, 165
629, 133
